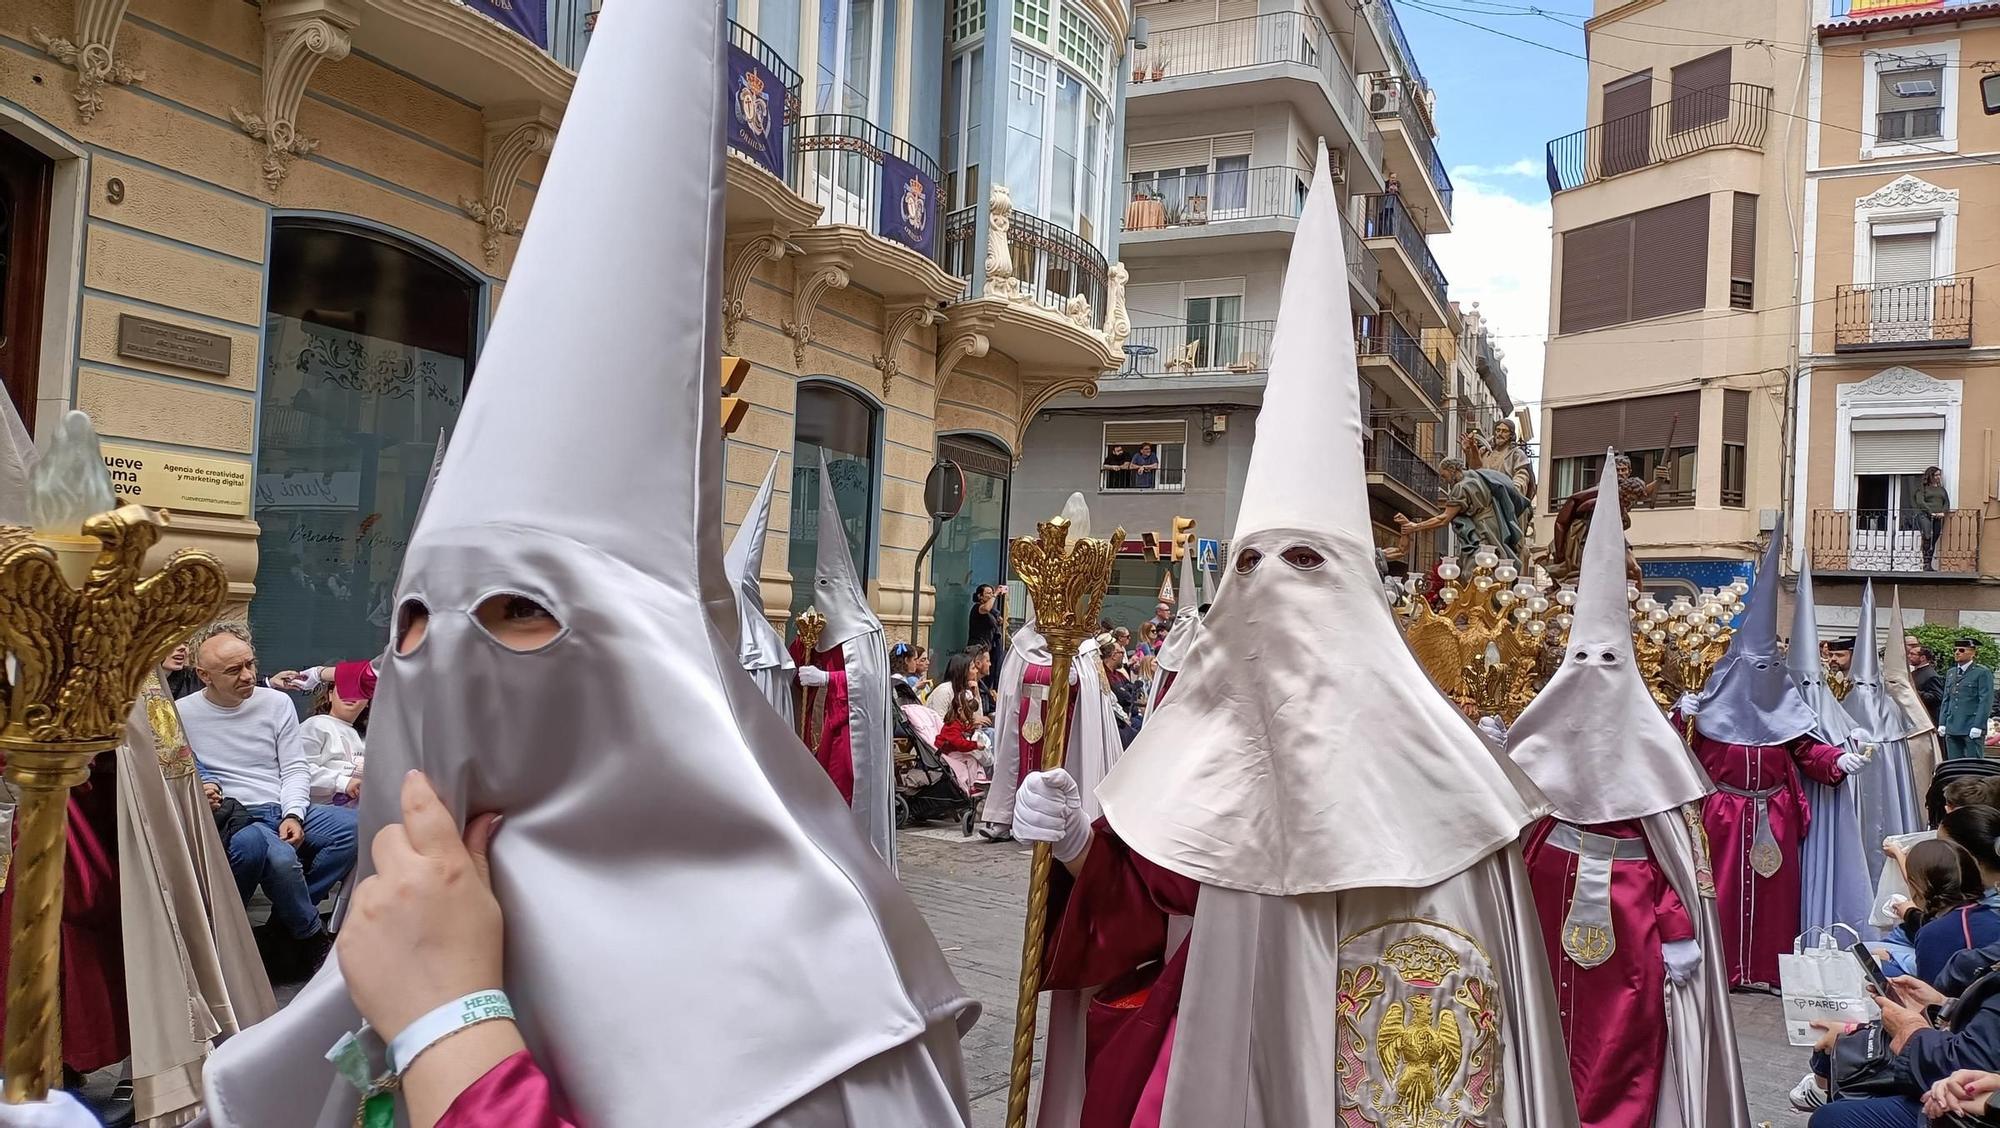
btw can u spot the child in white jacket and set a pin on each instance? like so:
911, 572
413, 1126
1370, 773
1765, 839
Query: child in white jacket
334, 746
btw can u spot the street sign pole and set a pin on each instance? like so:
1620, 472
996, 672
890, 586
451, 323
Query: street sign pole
944, 496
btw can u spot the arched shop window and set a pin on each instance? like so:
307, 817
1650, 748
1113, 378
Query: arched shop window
971, 549
368, 344
837, 423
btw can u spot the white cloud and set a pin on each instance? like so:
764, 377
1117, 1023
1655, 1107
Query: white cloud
1498, 256
1522, 167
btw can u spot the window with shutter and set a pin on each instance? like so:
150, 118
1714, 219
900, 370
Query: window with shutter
1701, 92
1735, 446
1640, 429
1895, 452
1597, 276
1628, 133
1902, 299
1670, 259
1122, 440
1911, 103
1743, 253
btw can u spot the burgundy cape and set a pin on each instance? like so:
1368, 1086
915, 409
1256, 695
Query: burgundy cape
1614, 1015
1109, 929
835, 751
95, 1029
1760, 915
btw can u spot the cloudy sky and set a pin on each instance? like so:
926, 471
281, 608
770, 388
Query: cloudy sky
1499, 102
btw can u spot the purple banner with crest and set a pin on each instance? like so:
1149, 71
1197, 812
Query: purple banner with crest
756, 126
909, 205
528, 17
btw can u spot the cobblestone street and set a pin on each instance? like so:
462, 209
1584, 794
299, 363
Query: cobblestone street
973, 891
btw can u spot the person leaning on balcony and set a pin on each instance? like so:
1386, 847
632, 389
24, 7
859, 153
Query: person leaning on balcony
1968, 703
1145, 467
1933, 501
1117, 468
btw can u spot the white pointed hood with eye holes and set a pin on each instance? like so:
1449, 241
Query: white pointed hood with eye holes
759, 646
1750, 698
1808, 671
838, 592
696, 932
1303, 750
1593, 740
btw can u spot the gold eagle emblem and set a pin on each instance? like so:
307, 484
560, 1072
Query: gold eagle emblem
1420, 1049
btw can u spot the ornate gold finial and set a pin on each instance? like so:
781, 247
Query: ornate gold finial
1677, 645
80, 656
1066, 582
1494, 636
811, 625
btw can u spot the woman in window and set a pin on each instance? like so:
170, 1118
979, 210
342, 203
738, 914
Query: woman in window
1933, 501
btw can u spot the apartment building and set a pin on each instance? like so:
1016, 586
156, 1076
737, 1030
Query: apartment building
1897, 360
262, 245
1225, 101
1673, 304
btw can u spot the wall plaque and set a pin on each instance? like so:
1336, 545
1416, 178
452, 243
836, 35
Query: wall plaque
198, 349
182, 483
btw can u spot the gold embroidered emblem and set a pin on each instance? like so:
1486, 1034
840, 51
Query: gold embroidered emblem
169, 741
1587, 945
1421, 1050
1421, 960
1704, 864
1766, 858
1430, 1060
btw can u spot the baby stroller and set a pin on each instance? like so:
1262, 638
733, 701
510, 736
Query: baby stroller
929, 786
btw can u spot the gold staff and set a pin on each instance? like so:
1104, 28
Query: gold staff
811, 623
1067, 585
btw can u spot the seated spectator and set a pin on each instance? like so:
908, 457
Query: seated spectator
1921, 1051
1945, 913
1968, 1095
334, 734
247, 748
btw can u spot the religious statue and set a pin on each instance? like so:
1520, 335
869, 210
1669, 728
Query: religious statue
1572, 526
1484, 509
1503, 452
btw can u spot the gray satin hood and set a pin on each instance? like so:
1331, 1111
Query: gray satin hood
1593, 740
1802, 660
1868, 703
838, 592
696, 932
1750, 698
759, 646
17, 465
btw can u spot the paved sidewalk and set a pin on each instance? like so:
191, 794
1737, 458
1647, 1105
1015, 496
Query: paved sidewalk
973, 893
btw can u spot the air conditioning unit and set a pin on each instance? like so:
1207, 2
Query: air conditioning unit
1385, 97
1915, 88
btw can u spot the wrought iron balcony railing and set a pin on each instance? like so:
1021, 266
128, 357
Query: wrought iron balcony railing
1895, 541
1930, 314
1383, 335
850, 166
759, 122
1227, 45
1197, 199
1387, 454
1052, 263
1362, 268
1738, 114
1387, 217
1403, 103
1185, 348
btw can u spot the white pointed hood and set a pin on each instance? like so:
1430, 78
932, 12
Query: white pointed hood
1868, 702
1187, 621
1896, 678
17, 466
668, 851
838, 592
1802, 661
1285, 765
759, 646
1593, 740
1749, 697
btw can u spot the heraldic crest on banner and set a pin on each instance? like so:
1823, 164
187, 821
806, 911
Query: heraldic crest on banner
1418, 1043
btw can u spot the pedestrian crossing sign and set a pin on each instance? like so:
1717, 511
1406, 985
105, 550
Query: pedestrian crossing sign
1208, 553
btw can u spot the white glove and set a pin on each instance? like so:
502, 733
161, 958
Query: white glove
60, 1111
1494, 729
812, 676
1975, 734
1683, 959
1688, 705
1851, 762
1049, 809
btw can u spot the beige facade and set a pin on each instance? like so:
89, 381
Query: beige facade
1900, 345
1689, 134
174, 205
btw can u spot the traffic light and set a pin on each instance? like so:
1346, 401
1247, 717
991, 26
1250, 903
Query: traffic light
1152, 541
1183, 533
735, 370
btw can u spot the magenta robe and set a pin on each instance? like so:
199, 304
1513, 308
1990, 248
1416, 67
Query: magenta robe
1031, 750
513, 1094
1108, 929
1614, 1015
835, 751
1760, 915
96, 1031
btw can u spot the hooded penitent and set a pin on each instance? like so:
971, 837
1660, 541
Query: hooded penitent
1616, 871
759, 646
1182, 636
853, 644
695, 929
1282, 769
1841, 861
1919, 731
1750, 698
1885, 791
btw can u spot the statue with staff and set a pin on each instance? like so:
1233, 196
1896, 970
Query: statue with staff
1572, 524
